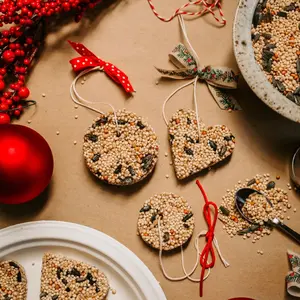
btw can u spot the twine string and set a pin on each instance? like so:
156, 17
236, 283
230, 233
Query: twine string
194, 81
207, 8
82, 102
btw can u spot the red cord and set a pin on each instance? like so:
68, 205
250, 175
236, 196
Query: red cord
208, 249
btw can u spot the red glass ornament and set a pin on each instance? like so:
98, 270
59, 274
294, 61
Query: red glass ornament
4, 119
8, 56
26, 164
23, 92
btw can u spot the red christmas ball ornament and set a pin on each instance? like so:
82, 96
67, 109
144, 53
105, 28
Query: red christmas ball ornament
23, 92
4, 119
9, 56
26, 164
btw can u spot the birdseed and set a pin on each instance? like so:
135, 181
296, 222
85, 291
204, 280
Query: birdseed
260, 212
176, 221
276, 42
191, 154
13, 282
64, 278
123, 154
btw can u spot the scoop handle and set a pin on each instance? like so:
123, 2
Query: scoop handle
289, 231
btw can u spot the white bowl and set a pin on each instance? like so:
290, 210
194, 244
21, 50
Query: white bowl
254, 76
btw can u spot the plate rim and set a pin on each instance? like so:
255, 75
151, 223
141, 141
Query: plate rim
133, 265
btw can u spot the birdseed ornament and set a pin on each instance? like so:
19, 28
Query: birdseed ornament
13, 280
120, 148
166, 222
65, 278
194, 146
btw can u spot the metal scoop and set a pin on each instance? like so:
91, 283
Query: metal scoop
240, 199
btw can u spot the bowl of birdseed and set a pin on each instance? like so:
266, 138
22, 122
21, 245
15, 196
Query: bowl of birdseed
266, 37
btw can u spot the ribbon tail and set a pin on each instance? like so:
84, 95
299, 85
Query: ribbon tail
119, 77
224, 100
177, 74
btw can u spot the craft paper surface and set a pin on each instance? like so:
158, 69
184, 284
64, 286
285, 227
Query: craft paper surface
130, 36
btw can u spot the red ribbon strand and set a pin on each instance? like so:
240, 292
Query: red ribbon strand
208, 249
89, 60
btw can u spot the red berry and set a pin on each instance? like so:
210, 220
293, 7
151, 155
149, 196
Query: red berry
26, 61
2, 85
9, 102
8, 56
4, 118
4, 107
18, 52
20, 107
17, 113
2, 71
23, 92
16, 98
12, 46
29, 40
5, 33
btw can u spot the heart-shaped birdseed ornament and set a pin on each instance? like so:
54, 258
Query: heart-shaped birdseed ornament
193, 152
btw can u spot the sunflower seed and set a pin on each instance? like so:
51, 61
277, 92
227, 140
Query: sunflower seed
145, 208
166, 237
188, 151
118, 169
213, 145
250, 182
270, 185
13, 264
187, 217
282, 14
96, 157
266, 35
140, 125
222, 151
224, 210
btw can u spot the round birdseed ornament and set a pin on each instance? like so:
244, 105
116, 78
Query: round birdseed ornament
122, 153
119, 148
171, 215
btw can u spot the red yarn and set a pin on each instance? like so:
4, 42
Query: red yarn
208, 249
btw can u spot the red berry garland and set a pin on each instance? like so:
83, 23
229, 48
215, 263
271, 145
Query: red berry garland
21, 42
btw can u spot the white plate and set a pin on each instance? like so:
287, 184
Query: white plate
127, 274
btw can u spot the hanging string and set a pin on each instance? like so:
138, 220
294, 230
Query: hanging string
196, 245
208, 8
208, 249
81, 101
187, 275
194, 81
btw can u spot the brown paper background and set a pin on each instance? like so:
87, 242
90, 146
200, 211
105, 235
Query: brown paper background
128, 35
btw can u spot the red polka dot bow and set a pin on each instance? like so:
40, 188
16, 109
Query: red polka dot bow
90, 60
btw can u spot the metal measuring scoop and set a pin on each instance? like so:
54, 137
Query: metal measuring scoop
240, 199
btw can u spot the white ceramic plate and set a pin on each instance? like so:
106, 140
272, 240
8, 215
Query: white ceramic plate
127, 274
250, 69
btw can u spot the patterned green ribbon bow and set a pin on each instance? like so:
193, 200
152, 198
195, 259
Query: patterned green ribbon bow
217, 79
293, 277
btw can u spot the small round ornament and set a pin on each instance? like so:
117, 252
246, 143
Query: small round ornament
26, 164
121, 148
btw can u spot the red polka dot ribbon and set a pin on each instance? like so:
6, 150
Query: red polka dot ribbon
208, 249
89, 60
